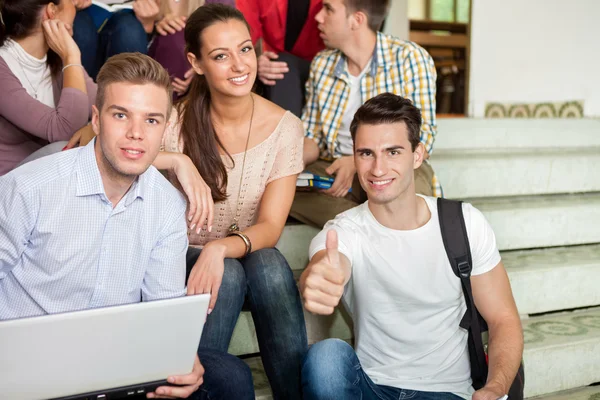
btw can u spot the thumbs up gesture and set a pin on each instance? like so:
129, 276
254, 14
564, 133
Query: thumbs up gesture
322, 283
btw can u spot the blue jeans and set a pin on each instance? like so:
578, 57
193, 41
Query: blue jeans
121, 33
264, 283
225, 377
331, 371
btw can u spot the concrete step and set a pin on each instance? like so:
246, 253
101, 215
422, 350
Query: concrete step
542, 280
481, 133
554, 279
543, 221
483, 172
562, 352
514, 157
318, 327
586, 393
294, 242
261, 383
518, 222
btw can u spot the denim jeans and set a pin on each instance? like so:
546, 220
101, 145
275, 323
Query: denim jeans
262, 282
121, 33
225, 377
331, 371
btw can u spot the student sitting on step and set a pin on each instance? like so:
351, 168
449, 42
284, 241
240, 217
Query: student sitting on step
360, 63
249, 152
386, 260
45, 94
101, 35
290, 40
99, 226
168, 45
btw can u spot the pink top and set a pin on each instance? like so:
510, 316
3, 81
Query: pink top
26, 125
278, 156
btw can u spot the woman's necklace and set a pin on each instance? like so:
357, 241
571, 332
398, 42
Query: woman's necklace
234, 227
33, 89
21, 62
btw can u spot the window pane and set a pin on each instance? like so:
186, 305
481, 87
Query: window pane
416, 9
463, 11
442, 10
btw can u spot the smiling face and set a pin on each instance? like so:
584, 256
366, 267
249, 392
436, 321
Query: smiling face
227, 58
130, 127
385, 162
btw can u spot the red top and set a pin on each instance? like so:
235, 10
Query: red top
267, 19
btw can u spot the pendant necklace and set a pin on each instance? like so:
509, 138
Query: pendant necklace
234, 226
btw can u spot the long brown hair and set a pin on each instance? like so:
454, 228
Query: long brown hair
21, 17
200, 141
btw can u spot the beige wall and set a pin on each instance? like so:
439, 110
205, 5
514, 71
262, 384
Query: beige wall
534, 51
397, 21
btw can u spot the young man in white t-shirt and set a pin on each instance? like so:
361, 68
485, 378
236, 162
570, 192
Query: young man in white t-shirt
386, 260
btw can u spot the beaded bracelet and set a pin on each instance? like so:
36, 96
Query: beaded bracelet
71, 65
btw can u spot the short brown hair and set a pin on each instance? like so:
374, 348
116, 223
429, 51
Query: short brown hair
376, 10
388, 108
135, 68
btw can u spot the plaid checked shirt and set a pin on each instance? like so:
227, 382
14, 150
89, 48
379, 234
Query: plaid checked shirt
397, 66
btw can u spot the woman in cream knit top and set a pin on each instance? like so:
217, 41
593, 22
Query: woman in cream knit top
248, 152
278, 156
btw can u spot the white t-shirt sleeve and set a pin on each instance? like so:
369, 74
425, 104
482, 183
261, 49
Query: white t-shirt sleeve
346, 239
484, 250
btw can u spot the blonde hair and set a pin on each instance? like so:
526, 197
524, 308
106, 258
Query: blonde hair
135, 68
192, 6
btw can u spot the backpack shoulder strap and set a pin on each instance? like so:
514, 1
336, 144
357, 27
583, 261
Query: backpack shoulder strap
454, 235
456, 243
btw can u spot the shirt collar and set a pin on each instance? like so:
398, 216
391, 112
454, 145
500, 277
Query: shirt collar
89, 180
341, 68
138, 188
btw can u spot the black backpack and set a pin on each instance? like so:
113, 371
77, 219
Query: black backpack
456, 243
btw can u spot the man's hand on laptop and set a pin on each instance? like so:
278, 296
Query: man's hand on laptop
186, 384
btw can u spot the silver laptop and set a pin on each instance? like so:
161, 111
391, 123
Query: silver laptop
103, 353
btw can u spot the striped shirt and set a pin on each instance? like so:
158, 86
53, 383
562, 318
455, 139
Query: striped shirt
397, 66
63, 247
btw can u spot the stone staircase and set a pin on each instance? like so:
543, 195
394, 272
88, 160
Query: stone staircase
538, 184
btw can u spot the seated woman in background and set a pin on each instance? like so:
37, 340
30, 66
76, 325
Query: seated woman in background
168, 46
101, 35
249, 151
45, 94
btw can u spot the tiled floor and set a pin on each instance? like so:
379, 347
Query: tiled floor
588, 393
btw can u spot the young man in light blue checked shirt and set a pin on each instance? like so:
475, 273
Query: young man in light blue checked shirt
99, 226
